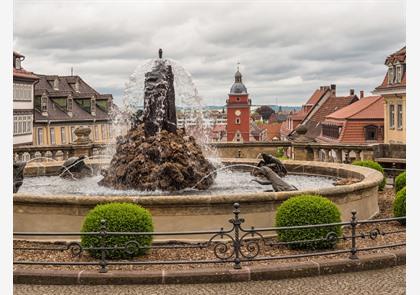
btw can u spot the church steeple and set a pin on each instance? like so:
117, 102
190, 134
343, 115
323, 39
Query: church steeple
238, 87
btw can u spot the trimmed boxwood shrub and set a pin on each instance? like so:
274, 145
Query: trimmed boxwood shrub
400, 182
120, 217
373, 165
399, 205
305, 210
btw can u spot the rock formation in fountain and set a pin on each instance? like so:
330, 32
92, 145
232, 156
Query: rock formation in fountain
155, 154
18, 168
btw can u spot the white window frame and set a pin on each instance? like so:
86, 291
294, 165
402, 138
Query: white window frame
400, 116
391, 113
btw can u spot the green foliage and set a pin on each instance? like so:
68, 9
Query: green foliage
280, 152
400, 182
373, 165
399, 205
120, 217
306, 210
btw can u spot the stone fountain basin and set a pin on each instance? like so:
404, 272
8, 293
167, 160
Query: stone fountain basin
61, 213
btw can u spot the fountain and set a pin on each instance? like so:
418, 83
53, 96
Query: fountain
163, 168
155, 154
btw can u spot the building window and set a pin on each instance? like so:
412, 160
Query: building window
391, 75
40, 136
400, 116
22, 92
399, 73
44, 103
371, 133
103, 131
96, 132
52, 135
238, 99
332, 131
72, 134
63, 135
391, 116
237, 120
22, 124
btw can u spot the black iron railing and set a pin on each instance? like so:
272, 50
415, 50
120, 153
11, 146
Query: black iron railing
234, 245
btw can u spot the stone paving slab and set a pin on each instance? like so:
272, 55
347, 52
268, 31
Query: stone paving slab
376, 282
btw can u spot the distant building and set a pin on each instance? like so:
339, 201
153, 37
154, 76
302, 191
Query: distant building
394, 92
322, 103
361, 122
62, 103
23, 103
238, 112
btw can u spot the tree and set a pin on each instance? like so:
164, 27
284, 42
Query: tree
265, 112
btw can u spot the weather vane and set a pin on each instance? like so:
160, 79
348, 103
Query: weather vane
160, 53
238, 63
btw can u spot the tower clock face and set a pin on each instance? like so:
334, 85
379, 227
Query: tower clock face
237, 112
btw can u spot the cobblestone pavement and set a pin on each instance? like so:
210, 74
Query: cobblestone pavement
385, 281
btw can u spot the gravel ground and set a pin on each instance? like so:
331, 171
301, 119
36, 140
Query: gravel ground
376, 282
395, 230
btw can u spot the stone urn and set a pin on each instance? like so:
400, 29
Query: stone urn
82, 135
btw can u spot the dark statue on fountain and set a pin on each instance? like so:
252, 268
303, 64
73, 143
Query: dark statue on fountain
155, 154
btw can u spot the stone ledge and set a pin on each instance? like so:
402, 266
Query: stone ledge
247, 273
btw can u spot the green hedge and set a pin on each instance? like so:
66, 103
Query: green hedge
373, 165
305, 210
399, 204
120, 217
400, 182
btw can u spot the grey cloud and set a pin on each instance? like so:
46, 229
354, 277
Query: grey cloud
285, 49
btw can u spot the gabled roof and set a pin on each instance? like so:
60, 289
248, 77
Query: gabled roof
370, 107
22, 73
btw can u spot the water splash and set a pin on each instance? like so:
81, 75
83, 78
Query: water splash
187, 98
223, 168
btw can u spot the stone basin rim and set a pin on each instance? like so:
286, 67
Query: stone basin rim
369, 178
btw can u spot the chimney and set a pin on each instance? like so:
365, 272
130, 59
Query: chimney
351, 91
362, 94
333, 87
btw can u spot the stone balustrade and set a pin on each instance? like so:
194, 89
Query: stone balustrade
343, 153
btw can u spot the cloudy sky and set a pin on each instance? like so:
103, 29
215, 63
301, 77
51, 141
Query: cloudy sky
286, 49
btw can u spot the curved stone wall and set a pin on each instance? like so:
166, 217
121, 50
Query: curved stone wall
181, 213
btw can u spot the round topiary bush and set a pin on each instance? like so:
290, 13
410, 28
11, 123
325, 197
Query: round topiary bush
399, 205
400, 182
373, 165
306, 210
119, 217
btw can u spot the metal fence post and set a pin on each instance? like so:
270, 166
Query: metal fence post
103, 234
236, 221
353, 224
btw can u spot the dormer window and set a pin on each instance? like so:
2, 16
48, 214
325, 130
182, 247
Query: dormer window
55, 86
69, 103
399, 73
93, 105
391, 75
44, 103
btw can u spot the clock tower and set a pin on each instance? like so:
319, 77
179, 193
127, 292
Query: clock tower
238, 111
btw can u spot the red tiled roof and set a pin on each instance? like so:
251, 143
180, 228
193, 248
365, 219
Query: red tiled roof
316, 96
273, 130
370, 107
22, 73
